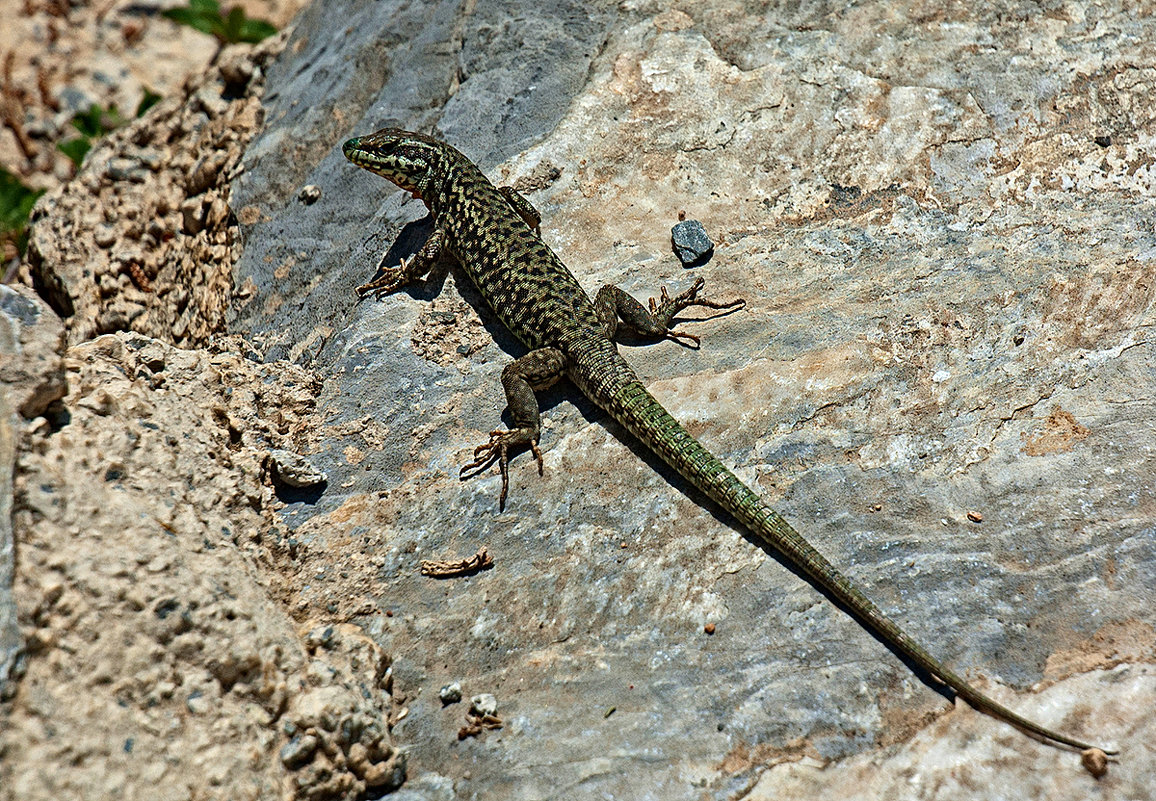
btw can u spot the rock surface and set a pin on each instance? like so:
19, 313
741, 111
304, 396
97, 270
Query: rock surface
157, 646
143, 240
31, 383
941, 226
158, 652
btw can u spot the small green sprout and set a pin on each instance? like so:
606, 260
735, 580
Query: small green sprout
92, 124
16, 202
206, 16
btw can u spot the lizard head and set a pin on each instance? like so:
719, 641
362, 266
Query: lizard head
403, 157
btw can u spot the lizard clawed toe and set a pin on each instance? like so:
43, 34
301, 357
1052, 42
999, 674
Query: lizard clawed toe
498, 450
534, 449
666, 307
485, 455
387, 280
687, 297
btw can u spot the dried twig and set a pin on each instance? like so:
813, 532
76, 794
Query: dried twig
476, 724
460, 567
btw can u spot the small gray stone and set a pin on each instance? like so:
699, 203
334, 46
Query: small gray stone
298, 751
484, 704
691, 244
450, 694
294, 470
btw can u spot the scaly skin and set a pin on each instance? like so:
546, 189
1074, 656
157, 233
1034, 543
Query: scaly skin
490, 231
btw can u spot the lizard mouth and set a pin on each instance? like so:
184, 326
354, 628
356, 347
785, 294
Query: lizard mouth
356, 153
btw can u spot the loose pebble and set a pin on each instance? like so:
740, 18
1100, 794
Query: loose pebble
450, 694
691, 244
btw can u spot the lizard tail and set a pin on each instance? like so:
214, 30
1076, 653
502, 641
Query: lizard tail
636, 409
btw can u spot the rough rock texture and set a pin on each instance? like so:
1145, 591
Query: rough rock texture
941, 221
31, 378
143, 239
10, 641
157, 651
31, 383
31, 345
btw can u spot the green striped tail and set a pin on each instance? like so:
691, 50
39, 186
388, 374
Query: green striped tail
636, 409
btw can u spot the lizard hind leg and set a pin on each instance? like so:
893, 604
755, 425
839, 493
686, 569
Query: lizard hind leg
537, 370
613, 304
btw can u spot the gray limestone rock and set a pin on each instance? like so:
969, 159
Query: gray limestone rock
947, 284
31, 346
10, 642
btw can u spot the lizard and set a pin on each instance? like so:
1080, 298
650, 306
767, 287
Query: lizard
494, 234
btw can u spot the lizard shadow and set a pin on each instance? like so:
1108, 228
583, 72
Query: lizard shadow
408, 241
304, 495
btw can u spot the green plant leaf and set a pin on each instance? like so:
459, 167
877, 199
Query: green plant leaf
75, 149
206, 17
231, 27
88, 121
111, 119
97, 121
147, 101
193, 19
254, 30
16, 202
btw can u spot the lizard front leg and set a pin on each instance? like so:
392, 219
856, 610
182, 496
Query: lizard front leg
613, 305
389, 279
537, 370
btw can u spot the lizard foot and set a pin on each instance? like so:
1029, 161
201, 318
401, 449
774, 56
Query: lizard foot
666, 307
388, 279
498, 449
